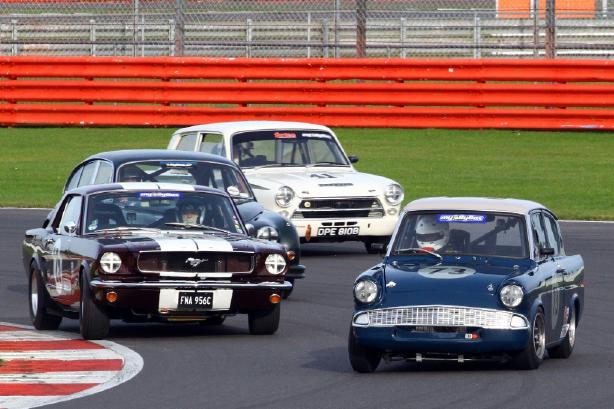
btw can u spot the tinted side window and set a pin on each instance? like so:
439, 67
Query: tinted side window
212, 143
539, 234
88, 173
74, 179
105, 173
553, 235
72, 211
187, 142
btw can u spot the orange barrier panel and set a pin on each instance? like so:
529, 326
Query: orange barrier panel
176, 91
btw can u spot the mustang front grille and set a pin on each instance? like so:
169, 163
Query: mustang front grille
436, 316
195, 262
329, 208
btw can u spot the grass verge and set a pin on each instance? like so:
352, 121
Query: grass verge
570, 172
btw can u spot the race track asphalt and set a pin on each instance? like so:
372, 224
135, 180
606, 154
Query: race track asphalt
305, 365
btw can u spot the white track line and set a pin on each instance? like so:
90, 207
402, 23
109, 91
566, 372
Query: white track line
65, 355
59, 377
28, 336
21, 402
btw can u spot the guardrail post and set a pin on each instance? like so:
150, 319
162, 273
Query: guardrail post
171, 37
135, 28
14, 48
179, 26
93, 37
534, 10
550, 29
361, 28
403, 35
477, 35
248, 37
308, 34
336, 20
325, 38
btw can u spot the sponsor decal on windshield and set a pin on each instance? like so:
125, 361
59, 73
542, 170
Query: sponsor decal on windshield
177, 164
315, 135
159, 195
461, 218
284, 135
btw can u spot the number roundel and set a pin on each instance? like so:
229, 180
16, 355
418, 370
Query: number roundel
446, 272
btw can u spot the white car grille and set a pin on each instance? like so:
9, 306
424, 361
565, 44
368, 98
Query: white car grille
346, 207
440, 315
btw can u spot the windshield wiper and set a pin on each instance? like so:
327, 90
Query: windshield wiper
327, 164
274, 165
416, 250
125, 229
197, 226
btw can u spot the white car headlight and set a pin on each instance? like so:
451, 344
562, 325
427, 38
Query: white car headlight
110, 262
275, 264
394, 194
511, 295
284, 196
365, 291
267, 233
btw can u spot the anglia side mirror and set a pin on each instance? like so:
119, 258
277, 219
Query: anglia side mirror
353, 158
546, 251
251, 230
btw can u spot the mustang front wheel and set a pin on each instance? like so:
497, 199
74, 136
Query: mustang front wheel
533, 354
362, 359
565, 348
38, 304
93, 322
264, 322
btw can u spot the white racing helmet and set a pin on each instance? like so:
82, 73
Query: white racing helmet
430, 233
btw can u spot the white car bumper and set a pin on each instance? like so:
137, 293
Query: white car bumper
345, 229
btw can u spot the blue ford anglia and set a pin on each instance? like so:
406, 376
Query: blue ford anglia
466, 279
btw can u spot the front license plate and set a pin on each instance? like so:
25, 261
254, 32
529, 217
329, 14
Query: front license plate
338, 231
195, 301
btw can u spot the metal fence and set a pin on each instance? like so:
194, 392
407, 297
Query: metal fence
309, 28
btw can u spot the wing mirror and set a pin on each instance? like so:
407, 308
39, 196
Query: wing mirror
70, 227
251, 230
353, 158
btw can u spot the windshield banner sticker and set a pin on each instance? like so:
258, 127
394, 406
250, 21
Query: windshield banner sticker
177, 164
159, 195
461, 218
315, 135
284, 135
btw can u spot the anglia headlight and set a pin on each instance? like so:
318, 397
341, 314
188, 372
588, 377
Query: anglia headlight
267, 233
284, 196
275, 264
511, 295
394, 194
365, 291
110, 262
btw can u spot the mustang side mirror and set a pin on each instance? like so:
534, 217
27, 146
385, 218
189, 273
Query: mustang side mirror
70, 227
353, 158
251, 230
546, 251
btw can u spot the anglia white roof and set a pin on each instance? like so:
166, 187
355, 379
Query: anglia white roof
242, 126
474, 204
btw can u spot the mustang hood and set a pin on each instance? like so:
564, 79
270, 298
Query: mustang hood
475, 285
320, 181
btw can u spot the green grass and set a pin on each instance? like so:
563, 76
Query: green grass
570, 172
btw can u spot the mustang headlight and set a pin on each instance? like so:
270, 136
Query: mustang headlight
284, 196
365, 291
275, 264
394, 194
267, 233
110, 262
511, 295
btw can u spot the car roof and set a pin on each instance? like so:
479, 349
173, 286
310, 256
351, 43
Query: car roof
474, 204
242, 126
131, 155
144, 186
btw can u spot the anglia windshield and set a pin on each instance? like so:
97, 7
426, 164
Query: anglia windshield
286, 148
168, 210
462, 233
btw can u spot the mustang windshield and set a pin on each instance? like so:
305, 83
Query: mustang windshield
286, 148
169, 210
210, 174
462, 233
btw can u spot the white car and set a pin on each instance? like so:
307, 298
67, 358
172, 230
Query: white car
300, 171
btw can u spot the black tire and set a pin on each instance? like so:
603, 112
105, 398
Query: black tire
285, 294
565, 348
362, 359
264, 322
93, 322
38, 302
213, 321
533, 354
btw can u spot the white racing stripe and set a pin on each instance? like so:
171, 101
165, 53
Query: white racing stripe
59, 377
66, 355
210, 243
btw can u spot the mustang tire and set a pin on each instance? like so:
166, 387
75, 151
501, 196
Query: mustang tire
533, 354
565, 348
93, 322
287, 293
362, 359
264, 322
38, 304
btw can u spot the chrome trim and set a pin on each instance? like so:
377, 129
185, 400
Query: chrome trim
193, 285
203, 274
440, 316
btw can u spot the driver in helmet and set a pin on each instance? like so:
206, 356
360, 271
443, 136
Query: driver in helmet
432, 235
189, 212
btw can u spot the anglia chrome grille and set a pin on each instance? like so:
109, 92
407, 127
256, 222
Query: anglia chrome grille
440, 315
327, 208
